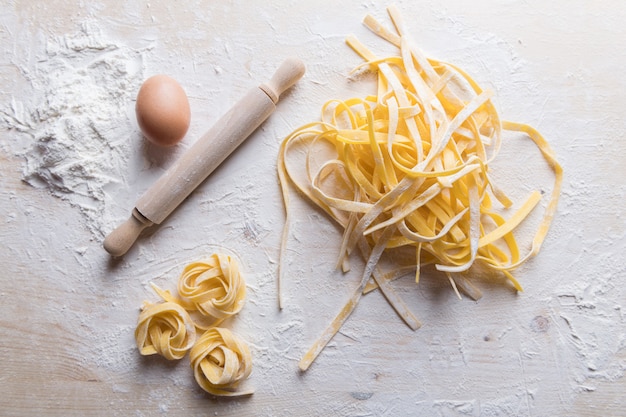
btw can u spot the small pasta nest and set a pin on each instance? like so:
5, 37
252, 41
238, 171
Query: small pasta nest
220, 360
165, 329
212, 290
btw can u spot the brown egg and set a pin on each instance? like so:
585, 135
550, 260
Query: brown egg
162, 110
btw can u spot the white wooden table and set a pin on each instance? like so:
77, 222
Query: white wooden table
67, 311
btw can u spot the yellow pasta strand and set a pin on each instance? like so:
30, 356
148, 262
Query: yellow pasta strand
221, 360
410, 167
165, 329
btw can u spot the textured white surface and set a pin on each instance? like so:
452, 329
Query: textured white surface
67, 311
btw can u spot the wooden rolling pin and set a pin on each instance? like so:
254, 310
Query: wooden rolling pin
203, 157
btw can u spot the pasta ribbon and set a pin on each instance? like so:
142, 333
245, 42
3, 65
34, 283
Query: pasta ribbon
220, 360
165, 329
408, 171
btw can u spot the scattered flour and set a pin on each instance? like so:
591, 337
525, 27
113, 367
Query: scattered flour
73, 126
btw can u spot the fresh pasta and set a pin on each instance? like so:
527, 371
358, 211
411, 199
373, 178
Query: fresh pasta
409, 169
221, 360
213, 288
165, 329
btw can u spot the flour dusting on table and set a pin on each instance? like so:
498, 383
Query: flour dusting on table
73, 129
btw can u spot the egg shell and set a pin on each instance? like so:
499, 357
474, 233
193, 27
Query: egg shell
162, 110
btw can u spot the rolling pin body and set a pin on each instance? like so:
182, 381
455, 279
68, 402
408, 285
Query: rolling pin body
203, 157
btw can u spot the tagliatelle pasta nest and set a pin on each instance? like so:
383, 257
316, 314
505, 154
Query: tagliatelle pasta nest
220, 360
165, 329
214, 288
409, 168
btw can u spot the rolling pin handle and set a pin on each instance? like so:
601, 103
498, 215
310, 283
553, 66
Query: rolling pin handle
120, 240
289, 72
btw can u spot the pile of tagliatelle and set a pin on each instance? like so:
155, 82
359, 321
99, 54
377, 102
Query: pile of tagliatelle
209, 292
408, 169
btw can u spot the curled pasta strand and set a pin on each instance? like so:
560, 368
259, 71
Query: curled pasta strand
221, 360
165, 329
